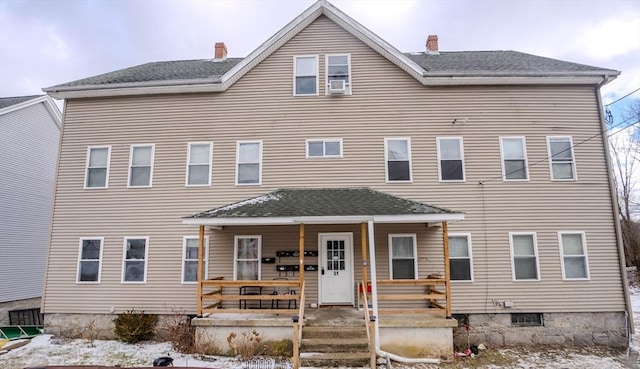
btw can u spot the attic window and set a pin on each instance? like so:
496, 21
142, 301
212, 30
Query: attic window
306, 75
339, 69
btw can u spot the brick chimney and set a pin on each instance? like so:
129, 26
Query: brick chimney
432, 44
221, 51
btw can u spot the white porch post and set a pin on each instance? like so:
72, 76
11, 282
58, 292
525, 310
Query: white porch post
372, 262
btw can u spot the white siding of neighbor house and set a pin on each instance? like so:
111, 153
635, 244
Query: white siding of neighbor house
385, 102
28, 154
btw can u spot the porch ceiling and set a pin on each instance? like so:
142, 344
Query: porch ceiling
323, 206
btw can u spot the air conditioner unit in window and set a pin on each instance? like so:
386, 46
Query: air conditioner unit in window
337, 87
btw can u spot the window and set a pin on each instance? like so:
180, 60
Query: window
141, 165
330, 148
90, 259
524, 252
451, 159
249, 163
199, 164
398, 158
561, 158
247, 253
339, 68
135, 259
402, 256
526, 319
97, 175
306, 75
460, 259
514, 158
190, 259
573, 253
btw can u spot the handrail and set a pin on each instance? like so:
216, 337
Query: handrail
214, 296
431, 295
298, 322
371, 335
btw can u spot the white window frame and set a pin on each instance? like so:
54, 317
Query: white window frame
151, 159
415, 253
238, 144
295, 74
205, 258
461, 145
470, 257
572, 162
386, 159
326, 73
80, 260
526, 160
535, 250
324, 149
235, 255
186, 177
124, 259
583, 236
86, 170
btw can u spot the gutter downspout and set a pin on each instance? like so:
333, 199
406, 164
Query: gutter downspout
374, 301
616, 214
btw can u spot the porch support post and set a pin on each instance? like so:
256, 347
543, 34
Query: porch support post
447, 267
365, 263
301, 253
200, 266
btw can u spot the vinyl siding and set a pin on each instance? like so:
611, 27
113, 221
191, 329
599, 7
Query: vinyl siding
28, 153
386, 102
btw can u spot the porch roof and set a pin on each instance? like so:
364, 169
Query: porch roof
323, 206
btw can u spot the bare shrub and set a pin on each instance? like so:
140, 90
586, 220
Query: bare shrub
247, 345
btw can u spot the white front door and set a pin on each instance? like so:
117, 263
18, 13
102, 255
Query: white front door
336, 269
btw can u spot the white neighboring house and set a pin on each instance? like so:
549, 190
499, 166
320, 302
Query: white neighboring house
30, 129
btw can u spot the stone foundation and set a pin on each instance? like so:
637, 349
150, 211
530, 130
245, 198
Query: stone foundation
5, 307
98, 326
574, 329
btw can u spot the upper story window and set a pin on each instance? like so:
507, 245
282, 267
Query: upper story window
561, 162
460, 258
190, 259
199, 164
97, 175
90, 260
329, 148
141, 165
451, 159
248, 250
573, 252
135, 259
524, 257
514, 158
306, 75
249, 163
402, 256
338, 69
398, 159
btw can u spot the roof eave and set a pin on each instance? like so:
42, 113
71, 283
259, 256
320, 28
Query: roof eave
49, 104
469, 80
350, 219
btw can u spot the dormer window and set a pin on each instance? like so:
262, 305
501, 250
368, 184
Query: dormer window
338, 74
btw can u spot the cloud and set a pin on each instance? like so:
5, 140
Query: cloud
608, 38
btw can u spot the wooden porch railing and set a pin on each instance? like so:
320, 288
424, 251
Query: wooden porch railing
298, 323
215, 291
369, 322
430, 290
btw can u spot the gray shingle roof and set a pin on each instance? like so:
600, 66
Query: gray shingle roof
322, 202
479, 63
6, 102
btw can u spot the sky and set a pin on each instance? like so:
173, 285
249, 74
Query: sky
49, 42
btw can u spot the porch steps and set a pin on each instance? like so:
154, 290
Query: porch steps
334, 346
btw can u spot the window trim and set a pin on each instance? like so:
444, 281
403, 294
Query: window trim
585, 255
295, 74
124, 258
535, 250
326, 73
461, 146
386, 159
574, 171
235, 255
204, 260
82, 239
238, 144
186, 177
324, 142
151, 160
86, 169
415, 253
467, 235
523, 139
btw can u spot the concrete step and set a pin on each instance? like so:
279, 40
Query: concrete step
334, 332
334, 359
330, 345
335, 323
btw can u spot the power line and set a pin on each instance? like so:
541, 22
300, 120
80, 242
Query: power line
630, 93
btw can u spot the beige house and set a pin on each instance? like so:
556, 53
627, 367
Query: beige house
472, 185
